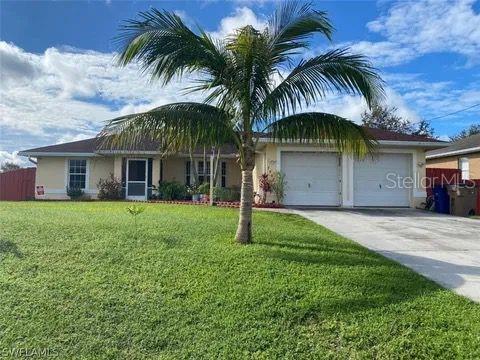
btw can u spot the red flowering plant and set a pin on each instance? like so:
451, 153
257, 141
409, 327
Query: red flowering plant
265, 185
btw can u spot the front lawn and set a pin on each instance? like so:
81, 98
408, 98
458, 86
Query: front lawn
74, 279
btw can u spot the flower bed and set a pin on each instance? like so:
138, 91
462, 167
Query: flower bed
232, 204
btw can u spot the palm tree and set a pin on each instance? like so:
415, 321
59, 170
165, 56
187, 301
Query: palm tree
251, 85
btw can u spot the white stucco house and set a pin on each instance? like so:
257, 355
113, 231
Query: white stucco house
315, 175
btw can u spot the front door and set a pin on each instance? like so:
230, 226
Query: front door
137, 179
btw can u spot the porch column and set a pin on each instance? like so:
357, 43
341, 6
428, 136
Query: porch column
155, 171
347, 180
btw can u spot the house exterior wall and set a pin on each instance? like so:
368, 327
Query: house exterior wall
52, 174
234, 174
99, 168
451, 162
174, 169
269, 160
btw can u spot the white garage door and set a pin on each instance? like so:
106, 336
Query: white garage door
312, 178
373, 180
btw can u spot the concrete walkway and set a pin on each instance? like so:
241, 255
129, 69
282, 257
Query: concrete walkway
443, 248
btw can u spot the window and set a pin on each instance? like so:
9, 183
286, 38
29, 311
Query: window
188, 178
77, 174
224, 174
203, 172
464, 166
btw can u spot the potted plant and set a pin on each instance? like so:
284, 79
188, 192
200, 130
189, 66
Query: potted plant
204, 191
193, 191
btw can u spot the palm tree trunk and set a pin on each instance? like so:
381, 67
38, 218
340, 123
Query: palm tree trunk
244, 229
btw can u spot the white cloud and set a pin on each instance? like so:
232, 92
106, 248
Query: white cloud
69, 137
415, 28
435, 98
352, 107
252, 2
16, 65
72, 92
12, 157
241, 17
382, 53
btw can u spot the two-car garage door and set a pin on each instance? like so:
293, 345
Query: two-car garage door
314, 178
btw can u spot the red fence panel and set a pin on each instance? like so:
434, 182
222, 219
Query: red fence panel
18, 184
437, 176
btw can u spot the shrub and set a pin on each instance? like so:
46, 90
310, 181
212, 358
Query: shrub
226, 194
265, 184
273, 182
75, 193
279, 185
110, 188
204, 188
171, 190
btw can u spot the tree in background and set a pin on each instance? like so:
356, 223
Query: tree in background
252, 81
8, 166
386, 118
424, 128
471, 130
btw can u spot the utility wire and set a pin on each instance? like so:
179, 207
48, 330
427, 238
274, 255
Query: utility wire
455, 112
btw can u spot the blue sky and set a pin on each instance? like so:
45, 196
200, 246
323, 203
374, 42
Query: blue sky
59, 81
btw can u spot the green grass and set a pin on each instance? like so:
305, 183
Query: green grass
74, 279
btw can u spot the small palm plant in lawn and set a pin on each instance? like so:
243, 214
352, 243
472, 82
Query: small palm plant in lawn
135, 210
253, 81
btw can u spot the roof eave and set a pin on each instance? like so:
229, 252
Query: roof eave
56, 153
453, 153
423, 144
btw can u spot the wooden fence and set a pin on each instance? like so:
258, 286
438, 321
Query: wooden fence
16, 185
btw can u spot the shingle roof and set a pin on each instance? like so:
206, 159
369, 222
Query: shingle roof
93, 145
385, 135
83, 146
466, 145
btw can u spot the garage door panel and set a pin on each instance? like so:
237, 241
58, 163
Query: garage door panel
312, 178
372, 186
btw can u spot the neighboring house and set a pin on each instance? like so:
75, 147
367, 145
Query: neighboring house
315, 175
463, 154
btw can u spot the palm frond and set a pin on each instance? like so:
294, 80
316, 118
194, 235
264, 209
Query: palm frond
174, 127
251, 68
292, 24
336, 71
326, 129
166, 47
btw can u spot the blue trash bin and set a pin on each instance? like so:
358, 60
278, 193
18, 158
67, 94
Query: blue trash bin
442, 200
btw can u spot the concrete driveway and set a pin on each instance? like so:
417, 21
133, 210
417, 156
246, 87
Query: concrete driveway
443, 248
